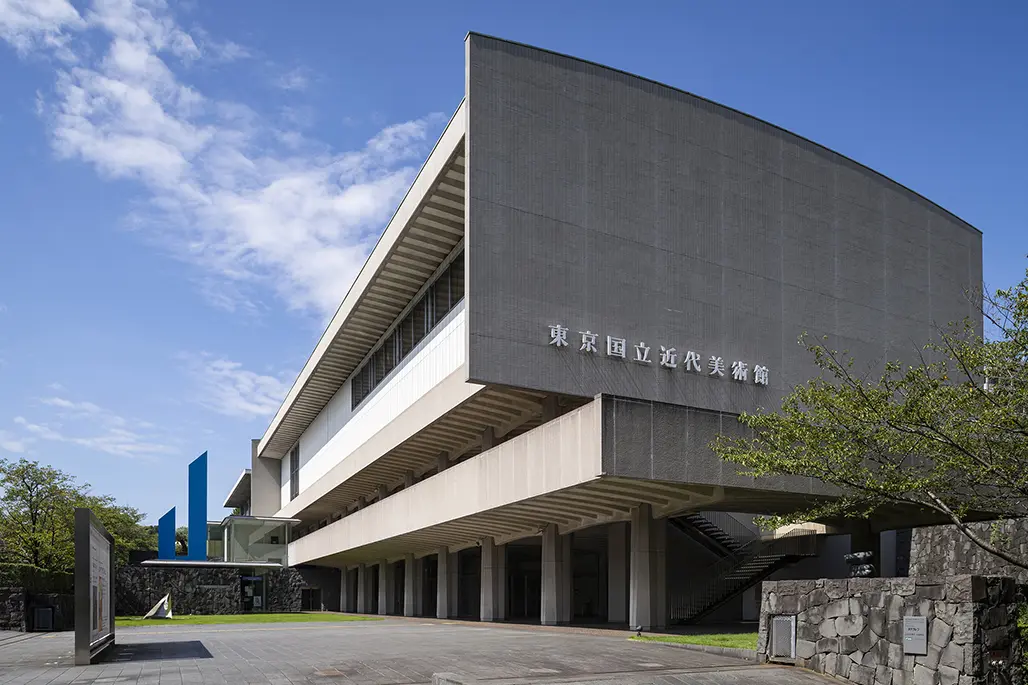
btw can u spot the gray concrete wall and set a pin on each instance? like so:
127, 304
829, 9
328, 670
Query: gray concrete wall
265, 483
608, 203
658, 441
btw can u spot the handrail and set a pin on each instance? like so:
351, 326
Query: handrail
760, 552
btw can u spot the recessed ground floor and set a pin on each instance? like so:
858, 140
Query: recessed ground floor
379, 652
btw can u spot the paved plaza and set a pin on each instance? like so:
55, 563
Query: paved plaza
374, 653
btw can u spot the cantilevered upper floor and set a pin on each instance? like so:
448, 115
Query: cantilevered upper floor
581, 232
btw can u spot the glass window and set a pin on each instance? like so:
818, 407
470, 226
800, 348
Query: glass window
441, 295
407, 335
457, 280
294, 473
389, 355
420, 318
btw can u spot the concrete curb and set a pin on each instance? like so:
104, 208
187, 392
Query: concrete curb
734, 652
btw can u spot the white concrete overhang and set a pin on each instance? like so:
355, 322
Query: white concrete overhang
450, 419
551, 474
423, 232
239, 495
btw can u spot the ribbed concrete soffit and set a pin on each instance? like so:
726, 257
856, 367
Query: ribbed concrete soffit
434, 228
459, 432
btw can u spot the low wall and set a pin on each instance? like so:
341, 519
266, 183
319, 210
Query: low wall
853, 628
12, 608
201, 590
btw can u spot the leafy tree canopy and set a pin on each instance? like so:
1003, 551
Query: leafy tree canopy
948, 434
37, 512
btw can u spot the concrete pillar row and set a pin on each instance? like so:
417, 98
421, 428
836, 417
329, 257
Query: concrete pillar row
409, 592
442, 584
363, 585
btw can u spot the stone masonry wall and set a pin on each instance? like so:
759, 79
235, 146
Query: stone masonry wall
943, 550
202, 590
853, 628
12, 608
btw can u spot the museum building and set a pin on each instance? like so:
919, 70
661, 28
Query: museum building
592, 276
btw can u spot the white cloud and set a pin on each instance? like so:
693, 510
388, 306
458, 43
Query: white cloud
106, 432
61, 403
294, 79
10, 443
229, 389
32, 24
249, 204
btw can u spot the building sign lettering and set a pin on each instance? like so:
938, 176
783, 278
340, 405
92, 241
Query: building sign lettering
668, 358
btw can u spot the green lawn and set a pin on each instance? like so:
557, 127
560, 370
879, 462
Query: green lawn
238, 618
738, 640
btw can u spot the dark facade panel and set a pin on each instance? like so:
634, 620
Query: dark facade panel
604, 202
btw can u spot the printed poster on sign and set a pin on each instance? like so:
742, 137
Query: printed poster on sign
99, 586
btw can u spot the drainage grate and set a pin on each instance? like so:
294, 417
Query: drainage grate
783, 638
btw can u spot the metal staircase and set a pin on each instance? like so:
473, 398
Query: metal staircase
745, 561
721, 533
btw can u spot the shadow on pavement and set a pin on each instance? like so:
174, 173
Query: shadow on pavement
158, 651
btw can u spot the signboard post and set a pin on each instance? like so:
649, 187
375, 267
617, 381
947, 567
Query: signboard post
94, 588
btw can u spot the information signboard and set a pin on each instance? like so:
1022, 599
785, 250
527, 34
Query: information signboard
94, 588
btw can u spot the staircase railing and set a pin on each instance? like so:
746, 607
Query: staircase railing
732, 526
732, 575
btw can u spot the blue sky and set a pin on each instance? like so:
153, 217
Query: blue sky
188, 189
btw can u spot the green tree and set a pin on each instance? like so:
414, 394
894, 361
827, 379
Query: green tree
37, 513
948, 434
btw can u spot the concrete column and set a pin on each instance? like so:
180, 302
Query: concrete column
501, 582
383, 492
640, 582
566, 577
659, 550
442, 584
344, 591
549, 611
549, 408
488, 438
361, 503
487, 581
408, 478
617, 572
363, 585
454, 582
442, 462
385, 587
419, 586
410, 577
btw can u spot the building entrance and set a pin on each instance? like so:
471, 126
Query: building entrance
252, 590
524, 578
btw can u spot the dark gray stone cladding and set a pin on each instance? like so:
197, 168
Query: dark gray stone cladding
12, 608
853, 628
943, 550
202, 590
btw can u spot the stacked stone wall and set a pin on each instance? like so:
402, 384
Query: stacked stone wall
12, 608
202, 590
853, 628
945, 551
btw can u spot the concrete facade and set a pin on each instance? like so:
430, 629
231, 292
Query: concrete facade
454, 426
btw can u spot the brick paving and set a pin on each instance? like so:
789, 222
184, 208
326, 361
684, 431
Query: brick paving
390, 652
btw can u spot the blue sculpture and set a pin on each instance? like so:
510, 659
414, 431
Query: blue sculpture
197, 536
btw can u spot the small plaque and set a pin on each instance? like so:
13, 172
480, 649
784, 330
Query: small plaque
915, 635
